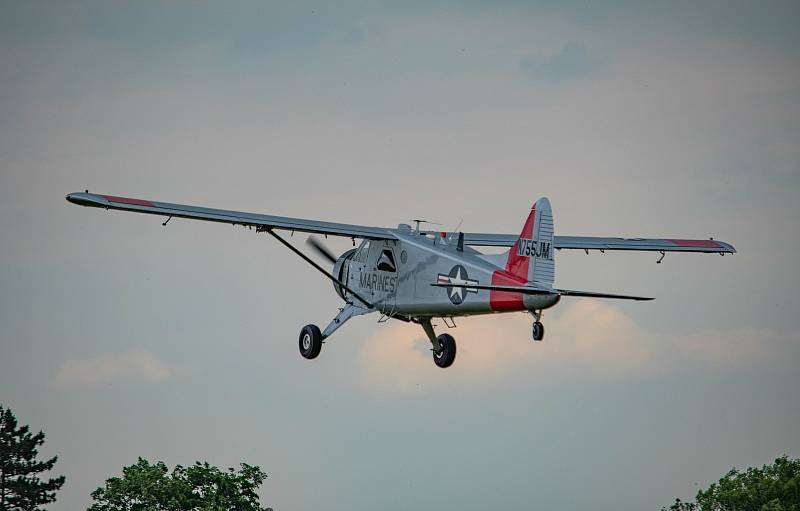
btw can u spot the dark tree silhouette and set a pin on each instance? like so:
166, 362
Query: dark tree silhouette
21, 488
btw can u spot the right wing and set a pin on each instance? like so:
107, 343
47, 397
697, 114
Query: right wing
657, 245
166, 209
598, 243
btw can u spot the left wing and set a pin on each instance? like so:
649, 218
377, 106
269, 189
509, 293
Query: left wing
601, 243
167, 209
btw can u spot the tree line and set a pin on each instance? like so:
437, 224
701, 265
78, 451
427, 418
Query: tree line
146, 486
143, 486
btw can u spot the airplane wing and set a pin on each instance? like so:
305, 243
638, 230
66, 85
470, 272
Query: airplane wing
166, 209
529, 290
599, 243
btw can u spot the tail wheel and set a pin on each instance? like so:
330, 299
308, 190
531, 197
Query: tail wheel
310, 342
538, 331
445, 357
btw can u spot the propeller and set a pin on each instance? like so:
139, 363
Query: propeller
321, 249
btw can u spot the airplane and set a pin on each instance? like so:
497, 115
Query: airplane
416, 275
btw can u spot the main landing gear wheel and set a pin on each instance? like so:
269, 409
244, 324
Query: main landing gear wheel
445, 357
310, 341
538, 331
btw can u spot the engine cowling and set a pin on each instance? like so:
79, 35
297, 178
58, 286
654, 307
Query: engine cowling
339, 271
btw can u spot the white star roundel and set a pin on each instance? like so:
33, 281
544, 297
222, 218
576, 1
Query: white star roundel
458, 284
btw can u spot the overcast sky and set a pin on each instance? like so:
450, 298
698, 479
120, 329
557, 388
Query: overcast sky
122, 338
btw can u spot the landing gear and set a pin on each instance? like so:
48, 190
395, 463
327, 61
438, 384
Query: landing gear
444, 346
538, 331
447, 354
311, 338
538, 327
310, 341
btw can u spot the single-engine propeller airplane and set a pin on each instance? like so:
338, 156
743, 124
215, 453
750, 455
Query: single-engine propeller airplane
415, 275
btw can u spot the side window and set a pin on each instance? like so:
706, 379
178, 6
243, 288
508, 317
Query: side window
386, 261
363, 252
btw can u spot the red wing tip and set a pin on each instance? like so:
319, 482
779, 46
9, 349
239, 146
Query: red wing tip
696, 243
128, 200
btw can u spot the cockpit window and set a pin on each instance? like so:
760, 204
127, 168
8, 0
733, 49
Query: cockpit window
363, 252
386, 261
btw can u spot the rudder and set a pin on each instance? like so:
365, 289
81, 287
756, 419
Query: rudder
531, 257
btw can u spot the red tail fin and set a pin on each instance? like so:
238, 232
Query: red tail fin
530, 259
531, 256
518, 264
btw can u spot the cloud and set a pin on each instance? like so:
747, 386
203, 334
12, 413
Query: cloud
585, 339
131, 366
568, 64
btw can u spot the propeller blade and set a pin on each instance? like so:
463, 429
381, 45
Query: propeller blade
321, 249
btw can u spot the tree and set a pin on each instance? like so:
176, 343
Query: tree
200, 487
773, 487
20, 485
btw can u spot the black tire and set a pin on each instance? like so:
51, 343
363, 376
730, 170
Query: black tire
447, 355
538, 331
310, 341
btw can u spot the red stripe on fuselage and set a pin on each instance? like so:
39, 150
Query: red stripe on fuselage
128, 200
515, 274
506, 300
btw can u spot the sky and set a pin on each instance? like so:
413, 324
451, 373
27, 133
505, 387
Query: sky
121, 338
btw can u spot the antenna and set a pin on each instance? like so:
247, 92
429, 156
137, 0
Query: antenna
454, 231
418, 222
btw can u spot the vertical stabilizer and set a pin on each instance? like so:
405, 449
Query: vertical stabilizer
532, 255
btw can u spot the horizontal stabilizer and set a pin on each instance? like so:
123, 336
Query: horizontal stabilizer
530, 290
591, 294
526, 290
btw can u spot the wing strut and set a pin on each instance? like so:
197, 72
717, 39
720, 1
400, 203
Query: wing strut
312, 263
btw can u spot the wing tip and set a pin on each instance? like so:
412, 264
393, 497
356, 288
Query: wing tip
87, 199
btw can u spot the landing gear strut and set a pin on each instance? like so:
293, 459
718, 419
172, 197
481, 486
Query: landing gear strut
444, 346
538, 327
311, 338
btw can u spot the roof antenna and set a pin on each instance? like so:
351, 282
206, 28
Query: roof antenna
662, 257
166, 221
454, 231
418, 222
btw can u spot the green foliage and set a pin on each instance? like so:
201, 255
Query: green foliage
200, 487
20, 485
773, 487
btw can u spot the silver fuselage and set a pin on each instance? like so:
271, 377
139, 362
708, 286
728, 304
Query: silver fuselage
396, 277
